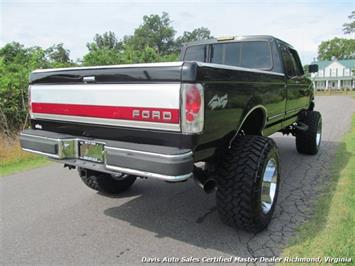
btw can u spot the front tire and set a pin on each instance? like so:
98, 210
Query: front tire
248, 183
308, 142
106, 183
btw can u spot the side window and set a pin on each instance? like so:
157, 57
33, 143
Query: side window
289, 62
195, 53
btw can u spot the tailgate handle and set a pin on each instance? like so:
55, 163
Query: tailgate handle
89, 79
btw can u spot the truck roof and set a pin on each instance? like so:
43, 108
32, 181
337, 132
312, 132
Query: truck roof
237, 38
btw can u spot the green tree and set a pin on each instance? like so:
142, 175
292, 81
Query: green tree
107, 40
58, 56
103, 56
14, 52
155, 32
349, 28
152, 41
340, 48
105, 49
38, 59
16, 62
195, 35
132, 56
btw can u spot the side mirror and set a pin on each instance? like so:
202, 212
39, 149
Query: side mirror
313, 68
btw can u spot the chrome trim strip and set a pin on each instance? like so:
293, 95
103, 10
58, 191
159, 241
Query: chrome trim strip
293, 110
274, 116
160, 155
111, 122
148, 95
41, 137
239, 68
148, 174
165, 64
42, 153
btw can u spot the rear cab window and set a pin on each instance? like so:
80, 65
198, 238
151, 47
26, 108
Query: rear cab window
248, 54
256, 55
226, 54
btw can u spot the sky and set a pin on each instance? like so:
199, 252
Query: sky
302, 23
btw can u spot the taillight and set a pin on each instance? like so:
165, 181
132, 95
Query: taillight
192, 109
193, 103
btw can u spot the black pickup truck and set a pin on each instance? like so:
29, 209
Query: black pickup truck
207, 116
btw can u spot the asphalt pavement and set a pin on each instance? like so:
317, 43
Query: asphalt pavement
49, 217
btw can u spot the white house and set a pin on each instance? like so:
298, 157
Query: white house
335, 74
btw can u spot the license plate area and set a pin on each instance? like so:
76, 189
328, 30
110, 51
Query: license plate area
91, 151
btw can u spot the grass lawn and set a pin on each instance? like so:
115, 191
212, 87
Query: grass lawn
13, 159
331, 232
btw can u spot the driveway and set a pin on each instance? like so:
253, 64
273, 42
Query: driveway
49, 217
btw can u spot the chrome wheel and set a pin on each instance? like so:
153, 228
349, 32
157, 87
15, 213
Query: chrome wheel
319, 133
269, 185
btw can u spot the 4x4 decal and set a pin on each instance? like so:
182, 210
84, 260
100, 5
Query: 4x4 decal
218, 102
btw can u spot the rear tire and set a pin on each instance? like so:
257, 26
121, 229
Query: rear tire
308, 142
106, 183
248, 183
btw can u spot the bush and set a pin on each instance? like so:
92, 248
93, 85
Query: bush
16, 63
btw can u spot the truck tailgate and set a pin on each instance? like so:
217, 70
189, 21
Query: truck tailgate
127, 96
129, 105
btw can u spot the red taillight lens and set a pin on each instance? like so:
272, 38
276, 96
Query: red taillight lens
192, 108
193, 103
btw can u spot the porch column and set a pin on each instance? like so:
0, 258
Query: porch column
339, 83
326, 84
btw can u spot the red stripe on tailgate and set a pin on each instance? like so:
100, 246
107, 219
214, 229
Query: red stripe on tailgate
161, 115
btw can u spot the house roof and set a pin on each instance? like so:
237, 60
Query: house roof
348, 63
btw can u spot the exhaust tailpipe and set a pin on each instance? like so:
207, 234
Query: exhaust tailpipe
208, 185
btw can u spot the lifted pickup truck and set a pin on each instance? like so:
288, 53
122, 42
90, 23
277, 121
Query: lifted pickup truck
207, 116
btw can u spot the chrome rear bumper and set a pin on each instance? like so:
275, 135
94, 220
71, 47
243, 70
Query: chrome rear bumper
166, 163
